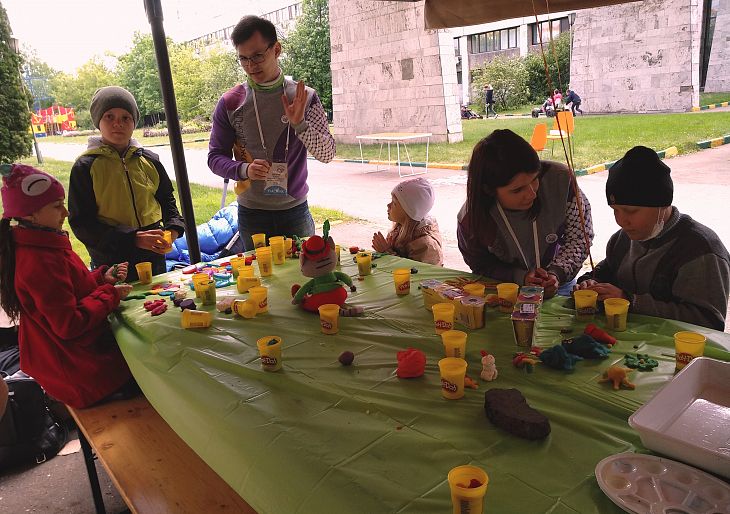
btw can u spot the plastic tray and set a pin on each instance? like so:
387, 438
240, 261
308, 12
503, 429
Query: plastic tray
644, 484
689, 418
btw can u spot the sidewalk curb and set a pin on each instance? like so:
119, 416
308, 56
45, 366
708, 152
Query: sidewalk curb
710, 106
712, 143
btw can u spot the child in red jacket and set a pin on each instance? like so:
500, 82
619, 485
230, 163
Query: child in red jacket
66, 343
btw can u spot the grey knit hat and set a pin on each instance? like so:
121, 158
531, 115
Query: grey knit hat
110, 97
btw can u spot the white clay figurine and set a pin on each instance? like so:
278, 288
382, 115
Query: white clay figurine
489, 369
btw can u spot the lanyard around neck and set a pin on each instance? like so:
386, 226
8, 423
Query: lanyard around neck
261, 132
535, 239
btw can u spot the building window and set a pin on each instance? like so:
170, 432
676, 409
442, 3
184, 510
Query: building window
548, 29
492, 41
513, 38
457, 46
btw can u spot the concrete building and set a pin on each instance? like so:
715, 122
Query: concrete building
717, 47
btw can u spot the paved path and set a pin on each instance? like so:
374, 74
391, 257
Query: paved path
702, 189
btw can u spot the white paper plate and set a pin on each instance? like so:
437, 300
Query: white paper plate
644, 484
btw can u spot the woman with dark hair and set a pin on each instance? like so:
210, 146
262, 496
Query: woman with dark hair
520, 222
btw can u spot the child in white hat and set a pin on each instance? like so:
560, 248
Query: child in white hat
415, 235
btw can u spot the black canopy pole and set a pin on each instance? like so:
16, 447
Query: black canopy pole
154, 15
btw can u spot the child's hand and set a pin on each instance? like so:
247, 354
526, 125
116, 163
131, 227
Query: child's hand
152, 240
116, 273
123, 290
380, 244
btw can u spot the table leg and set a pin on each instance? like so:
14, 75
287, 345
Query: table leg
89, 458
397, 145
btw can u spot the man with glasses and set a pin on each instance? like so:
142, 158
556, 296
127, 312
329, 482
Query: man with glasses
262, 131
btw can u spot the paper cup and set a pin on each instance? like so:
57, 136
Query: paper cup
452, 372
270, 352
687, 346
264, 258
507, 293
144, 272
454, 343
199, 279
195, 319
585, 304
259, 240
259, 295
329, 315
245, 308
278, 249
617, 310
465, 499
474, 289
402, 281
364, 263
443, 316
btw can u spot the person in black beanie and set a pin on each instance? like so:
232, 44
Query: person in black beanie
665, 263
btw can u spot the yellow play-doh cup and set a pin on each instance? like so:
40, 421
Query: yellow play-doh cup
198, 280
402, 281
270, 352
244, 283
474, 289
329, 315
259, 295
617, 311
465, 499
208, 292
337, 254
507, 293
236, 262
144, 272
452, 371
364, 263
245, 308
454, 343
264, 258
167, 238
195, 319
259, 240
585, 304
687, 346
443, 316
278, 251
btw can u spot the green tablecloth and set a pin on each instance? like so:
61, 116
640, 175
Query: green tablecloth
317, 437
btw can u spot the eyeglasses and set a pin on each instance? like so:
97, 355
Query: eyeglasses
256, 59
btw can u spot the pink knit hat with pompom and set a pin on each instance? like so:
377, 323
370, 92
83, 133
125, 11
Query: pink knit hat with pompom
26, 190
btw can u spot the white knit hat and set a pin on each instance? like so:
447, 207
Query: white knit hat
416, 197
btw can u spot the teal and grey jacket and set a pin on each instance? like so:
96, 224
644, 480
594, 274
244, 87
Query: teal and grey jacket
112, 196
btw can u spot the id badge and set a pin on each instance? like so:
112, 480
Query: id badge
276, 181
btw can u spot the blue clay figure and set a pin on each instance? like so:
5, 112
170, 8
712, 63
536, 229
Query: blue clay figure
587, 347
558, 357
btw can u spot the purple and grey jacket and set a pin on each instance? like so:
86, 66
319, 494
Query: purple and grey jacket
234, 119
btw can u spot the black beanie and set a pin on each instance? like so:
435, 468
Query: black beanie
110, 97
640, 178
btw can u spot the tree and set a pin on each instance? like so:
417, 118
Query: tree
77, 91
535, 66
307, 50
507, 76
37, 75
138, 73
15, 135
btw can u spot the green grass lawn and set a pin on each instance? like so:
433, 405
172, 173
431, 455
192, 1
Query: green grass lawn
597, 139
137, 134
714, 98
206, 201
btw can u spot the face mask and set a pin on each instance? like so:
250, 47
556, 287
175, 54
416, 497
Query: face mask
658, 226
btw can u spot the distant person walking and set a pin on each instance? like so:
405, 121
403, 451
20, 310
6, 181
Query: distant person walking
573, 100
489, 100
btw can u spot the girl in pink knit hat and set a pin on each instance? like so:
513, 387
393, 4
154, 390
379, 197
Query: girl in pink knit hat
415, 235
65, 340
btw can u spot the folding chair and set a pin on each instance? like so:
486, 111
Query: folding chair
539, 137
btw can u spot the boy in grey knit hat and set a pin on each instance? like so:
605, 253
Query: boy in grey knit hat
665, 263
120, 198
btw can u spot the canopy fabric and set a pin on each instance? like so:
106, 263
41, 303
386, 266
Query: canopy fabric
320, 437
440, 14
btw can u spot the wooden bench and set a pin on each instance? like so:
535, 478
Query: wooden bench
154, 470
